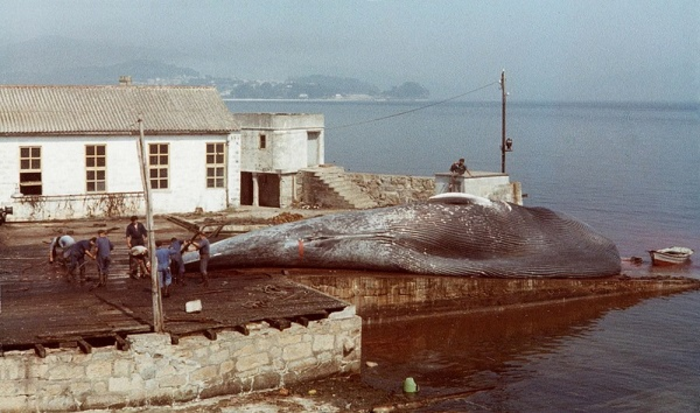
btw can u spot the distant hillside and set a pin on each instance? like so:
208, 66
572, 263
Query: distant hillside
317, 87
59, 60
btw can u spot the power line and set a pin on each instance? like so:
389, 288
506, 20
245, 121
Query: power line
412, 110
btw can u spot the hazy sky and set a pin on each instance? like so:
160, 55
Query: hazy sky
612, 50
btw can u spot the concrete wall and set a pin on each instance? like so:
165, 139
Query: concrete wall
63, 177
153, 371
494, 186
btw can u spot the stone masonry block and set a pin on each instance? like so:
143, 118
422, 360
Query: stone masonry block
297, 351
15, 404
219, 357
123, 367
103, 400
246, 350
147, 371
287, 339
12, 368
323, 342
98, 369
176, 380
66, 371
252, 361
37, 368
204, 374
149, 343
227, 367
11, 387
134, 386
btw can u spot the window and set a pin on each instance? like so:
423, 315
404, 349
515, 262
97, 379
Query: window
158, 165
30, 170
215, 165
263, 141
96, 168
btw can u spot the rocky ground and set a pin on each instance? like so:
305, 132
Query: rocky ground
335, 394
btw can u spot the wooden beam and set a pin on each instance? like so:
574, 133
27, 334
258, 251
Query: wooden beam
242, 328
302, 320
279, 323
210, 334
84, 346
40, 350
122, 344
174, 339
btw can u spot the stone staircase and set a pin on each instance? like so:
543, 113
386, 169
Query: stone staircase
330, 187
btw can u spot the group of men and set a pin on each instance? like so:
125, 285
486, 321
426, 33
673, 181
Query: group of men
169, 257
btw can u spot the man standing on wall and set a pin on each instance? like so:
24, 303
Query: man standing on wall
136, 234
457, 168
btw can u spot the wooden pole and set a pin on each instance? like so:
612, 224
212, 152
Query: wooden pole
158, 324
503, 121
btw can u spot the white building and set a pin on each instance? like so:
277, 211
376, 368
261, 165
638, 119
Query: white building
72, 151
275, 147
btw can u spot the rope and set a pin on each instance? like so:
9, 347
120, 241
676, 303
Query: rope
412, 110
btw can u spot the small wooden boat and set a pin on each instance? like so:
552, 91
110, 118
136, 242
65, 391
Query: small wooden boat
670, 256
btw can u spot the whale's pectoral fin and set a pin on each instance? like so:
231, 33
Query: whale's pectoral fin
459, 198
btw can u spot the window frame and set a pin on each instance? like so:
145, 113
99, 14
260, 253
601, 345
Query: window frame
92, 165
159, 165
33, 168
215, 165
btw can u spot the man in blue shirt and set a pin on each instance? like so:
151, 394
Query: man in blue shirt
77, 257
104, 249
164, 276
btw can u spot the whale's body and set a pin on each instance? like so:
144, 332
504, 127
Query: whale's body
452, 234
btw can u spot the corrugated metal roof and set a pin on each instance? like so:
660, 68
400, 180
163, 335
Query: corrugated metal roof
112, 109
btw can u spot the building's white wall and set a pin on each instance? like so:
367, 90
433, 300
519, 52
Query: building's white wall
289, 150
9, 169
63, 176
234, 170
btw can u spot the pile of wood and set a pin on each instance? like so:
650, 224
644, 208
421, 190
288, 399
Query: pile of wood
285, 217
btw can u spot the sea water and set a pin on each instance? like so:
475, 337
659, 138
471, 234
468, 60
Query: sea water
631, 171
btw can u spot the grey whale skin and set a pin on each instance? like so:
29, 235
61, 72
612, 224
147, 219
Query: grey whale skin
450, 234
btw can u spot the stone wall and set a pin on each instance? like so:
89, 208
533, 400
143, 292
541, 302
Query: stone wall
388, 190
154, 371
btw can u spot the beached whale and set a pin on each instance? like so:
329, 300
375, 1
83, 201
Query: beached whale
451, 234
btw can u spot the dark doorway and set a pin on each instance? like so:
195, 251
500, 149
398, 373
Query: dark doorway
246, 188
268, 187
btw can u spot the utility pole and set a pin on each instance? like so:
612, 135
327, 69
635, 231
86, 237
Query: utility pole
503, 122
158, 323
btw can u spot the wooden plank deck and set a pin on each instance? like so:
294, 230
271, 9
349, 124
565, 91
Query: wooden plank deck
39, 307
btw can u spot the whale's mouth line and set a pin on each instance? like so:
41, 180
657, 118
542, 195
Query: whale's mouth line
339, 237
